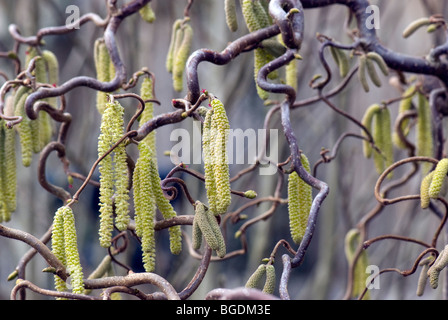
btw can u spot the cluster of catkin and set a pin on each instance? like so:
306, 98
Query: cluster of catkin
216, 172
148, 193
33, 134
377, 121
65, 248
256, 17
179, 49
268, 272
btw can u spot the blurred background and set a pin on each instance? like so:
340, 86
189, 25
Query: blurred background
351, 177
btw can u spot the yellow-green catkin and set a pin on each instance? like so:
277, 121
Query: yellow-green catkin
423, 277
255, 279
24, 128
424, 190
7, 172
58, 245
180, 56
111, 131
438, 178
102, 66
362, 73
269, 285
359, 272
231, 18
210, 229
378, 59
438, 265
146, 93
382, 136
162, 203
367, 121
46, 71
8, 166
372, 72
167, 210
208, 150
196, 234
175, 35
300, 199
220, 157
424, 139
147, 13
145, 208
341, 60
257, 18
405, 105
71, 251
291, 74
415, 25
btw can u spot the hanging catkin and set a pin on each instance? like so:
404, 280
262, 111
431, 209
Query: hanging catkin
102, 66
162, 203
65, 248
144, 203
300, 199
220, 157
113, 172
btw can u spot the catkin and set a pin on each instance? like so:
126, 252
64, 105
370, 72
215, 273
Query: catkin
102, 66
144, 203
255, 278
438, 265
367, 121
110, 175
378, 59
300, 199
210, 229
147, 13
208, 150
8, 165
181, 55
405, 105
382, 136
71, 251
24, 128
58, 245
221, 167
269, 285
291, 74
424, 139
230, 11
256, 18
372, 72
196, 235
423, 277
146, 93
415, 25
65, 248
341, 60
424, 190
362, 73
174, 38
359, 273
438, 178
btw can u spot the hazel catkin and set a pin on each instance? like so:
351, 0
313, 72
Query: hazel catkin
438, 178
299, 202
145, 207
